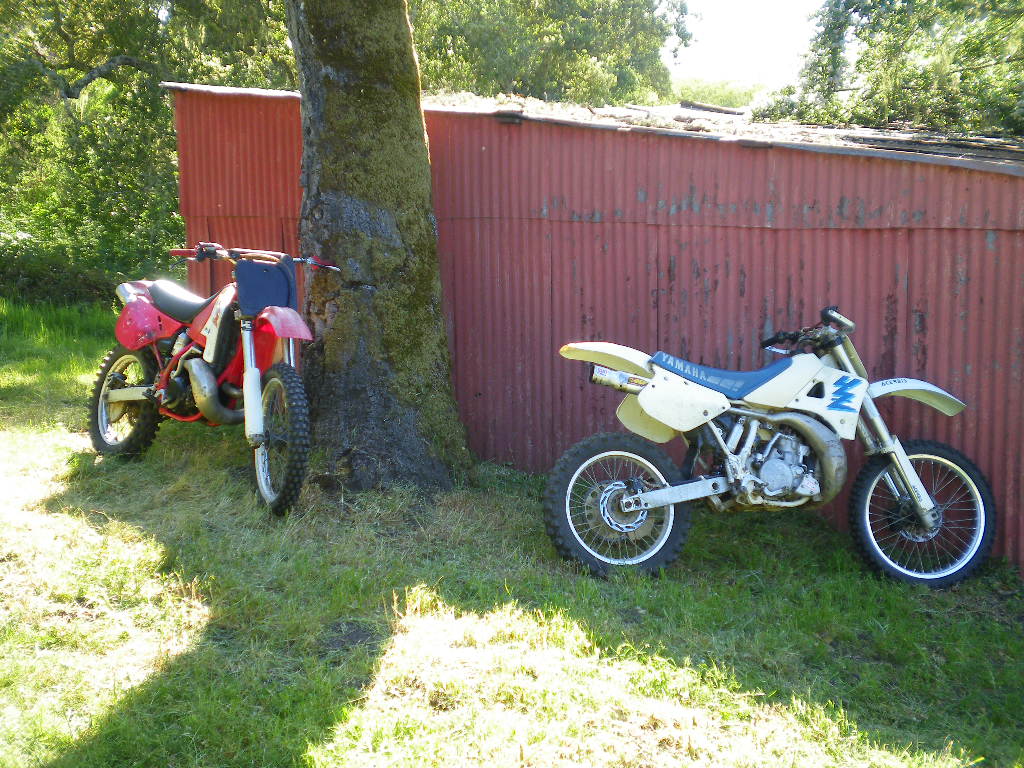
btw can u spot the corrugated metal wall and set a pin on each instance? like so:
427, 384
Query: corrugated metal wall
552, 232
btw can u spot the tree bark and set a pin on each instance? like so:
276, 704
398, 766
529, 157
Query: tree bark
378, 373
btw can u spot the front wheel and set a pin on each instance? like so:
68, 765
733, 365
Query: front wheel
585, 519
281, 460
892, 539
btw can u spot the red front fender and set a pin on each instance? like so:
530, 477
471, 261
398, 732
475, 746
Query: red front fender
285, 322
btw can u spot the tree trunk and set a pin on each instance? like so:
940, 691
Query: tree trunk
378, 373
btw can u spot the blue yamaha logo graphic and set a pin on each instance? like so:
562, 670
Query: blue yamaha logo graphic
842, 395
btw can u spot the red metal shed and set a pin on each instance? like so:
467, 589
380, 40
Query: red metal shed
553, 231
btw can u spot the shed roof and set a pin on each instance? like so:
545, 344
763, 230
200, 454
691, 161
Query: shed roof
979, 153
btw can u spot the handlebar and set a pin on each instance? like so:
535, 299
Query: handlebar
204, 251
831, 315
781, 336
822, 332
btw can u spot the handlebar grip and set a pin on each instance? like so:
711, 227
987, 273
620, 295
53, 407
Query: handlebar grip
831, 315
208, 251
781, 336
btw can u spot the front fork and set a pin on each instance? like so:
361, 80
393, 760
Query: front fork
252, 385
252, 390
903, 481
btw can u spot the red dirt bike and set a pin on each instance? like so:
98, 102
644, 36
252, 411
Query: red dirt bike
225, 359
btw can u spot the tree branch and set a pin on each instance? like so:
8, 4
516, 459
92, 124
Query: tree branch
987, 64
69, 41
74, 90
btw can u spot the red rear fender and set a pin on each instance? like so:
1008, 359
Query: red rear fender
285, 322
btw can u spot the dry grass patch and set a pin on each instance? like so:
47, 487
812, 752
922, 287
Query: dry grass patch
519, 688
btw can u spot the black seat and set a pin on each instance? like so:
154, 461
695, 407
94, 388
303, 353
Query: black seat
180, 303
733, 384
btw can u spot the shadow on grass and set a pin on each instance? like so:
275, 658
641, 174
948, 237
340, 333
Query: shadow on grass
301, 610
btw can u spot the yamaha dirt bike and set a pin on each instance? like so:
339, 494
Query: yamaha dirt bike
225, 359
766, 439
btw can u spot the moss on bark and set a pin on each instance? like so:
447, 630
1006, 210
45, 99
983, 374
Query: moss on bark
378, 374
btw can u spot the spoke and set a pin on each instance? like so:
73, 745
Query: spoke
951, 477
962, 498
954, 555
897, 535
905, 549
966, 542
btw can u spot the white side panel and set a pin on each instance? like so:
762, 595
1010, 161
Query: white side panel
212, 327
780, 391
922, 391
679, 403
634, 419
839, 406
610, 355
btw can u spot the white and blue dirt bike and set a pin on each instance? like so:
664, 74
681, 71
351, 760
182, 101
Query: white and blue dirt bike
767, 439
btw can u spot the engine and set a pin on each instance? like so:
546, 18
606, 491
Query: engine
772, 466
772, 460
783, 470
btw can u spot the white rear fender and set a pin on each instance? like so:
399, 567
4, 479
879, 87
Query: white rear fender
922, 391
614, 356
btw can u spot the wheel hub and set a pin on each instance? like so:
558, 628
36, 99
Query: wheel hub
905, 519
610, 505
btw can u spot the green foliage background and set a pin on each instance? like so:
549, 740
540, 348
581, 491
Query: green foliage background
584, 51
88, 165
88, 162
948, 65
87, 148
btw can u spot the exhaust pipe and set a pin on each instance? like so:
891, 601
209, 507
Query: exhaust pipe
207, 396
623, 382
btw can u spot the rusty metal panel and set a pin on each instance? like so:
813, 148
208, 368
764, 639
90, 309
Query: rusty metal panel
238, 155
550, 233
604, 286
501, 338
200, 276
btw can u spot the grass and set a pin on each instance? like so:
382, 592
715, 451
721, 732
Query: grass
152, 615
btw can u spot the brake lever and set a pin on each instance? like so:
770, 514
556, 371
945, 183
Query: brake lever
317, 264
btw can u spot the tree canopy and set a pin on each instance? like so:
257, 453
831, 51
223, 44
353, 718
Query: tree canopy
585, 51
954, 65
87, 149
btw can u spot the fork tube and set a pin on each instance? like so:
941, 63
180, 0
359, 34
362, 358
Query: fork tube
853, 358
289, 352
884, 442
251, 390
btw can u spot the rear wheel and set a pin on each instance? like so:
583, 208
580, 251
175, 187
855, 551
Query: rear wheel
584, 516
124, 428
282, 459
891, 537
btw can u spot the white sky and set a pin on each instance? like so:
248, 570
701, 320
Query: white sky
747, 41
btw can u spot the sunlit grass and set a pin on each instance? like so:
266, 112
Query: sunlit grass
530, 687
48, 357
151, 614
